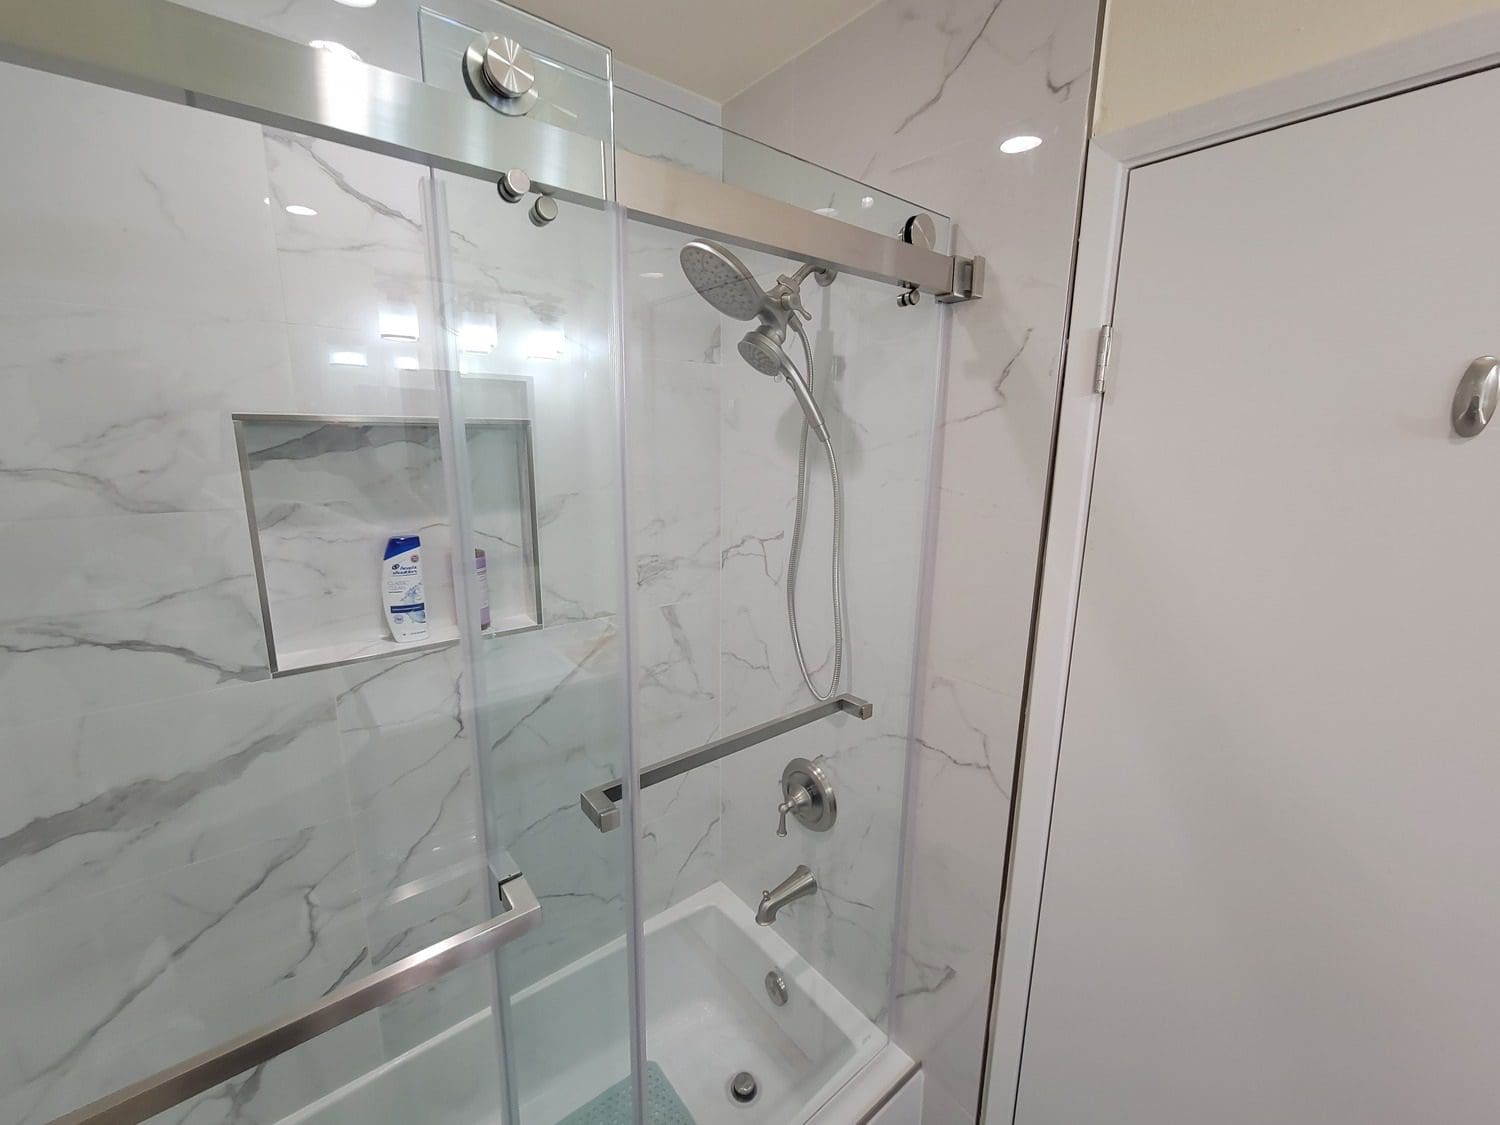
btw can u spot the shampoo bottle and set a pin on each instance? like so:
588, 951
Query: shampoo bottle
482, 580
401, 588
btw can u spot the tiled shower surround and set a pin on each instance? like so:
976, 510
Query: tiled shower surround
713, 448
978, 72
189, 846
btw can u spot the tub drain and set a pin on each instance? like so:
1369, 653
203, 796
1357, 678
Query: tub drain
743, 1088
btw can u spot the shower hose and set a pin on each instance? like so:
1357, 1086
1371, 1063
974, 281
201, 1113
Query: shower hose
794, 552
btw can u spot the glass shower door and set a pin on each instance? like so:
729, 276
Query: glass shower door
797, 997
233, 373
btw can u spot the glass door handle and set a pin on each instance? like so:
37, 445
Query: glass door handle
520, 914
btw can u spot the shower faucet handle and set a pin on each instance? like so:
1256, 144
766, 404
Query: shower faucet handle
796, 800
808, 794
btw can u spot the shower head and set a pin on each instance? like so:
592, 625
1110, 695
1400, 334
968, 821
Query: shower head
761, 349
723, 281
764, 353
728, 285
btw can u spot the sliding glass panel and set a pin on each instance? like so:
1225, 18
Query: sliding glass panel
256, 386
534, 338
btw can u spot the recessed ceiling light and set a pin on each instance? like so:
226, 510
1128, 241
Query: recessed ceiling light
653, 275
406, 363
1024, 143
348, 359
299, 209
334, 48
831, 212
867, 201
356, 3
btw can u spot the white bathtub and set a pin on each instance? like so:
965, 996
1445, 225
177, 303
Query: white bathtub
708, 1016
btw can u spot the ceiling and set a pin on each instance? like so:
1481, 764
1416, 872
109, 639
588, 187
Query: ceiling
716, 48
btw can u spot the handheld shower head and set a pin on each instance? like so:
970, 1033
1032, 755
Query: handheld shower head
761, 349
723, 281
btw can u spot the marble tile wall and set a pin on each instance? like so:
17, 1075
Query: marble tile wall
189, 847
980, 71
878, 368
714, 451
673, 367
177, 802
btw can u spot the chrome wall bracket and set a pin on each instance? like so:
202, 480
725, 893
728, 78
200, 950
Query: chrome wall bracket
967, 281
601, 803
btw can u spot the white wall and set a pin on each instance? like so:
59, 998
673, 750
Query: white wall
1166, 55
974, 72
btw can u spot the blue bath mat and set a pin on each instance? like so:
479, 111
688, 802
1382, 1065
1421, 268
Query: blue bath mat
614, 1106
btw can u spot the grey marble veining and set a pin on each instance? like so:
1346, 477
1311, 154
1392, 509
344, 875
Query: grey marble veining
188, 848
112, 1002
877, 379
306, 830
979, 71
327, 496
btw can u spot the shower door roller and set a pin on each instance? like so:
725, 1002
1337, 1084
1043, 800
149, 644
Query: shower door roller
1474, 401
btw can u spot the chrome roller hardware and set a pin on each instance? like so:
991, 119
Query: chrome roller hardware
513, 185
543, 211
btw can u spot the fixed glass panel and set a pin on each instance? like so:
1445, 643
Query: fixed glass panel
651, 129
713, 447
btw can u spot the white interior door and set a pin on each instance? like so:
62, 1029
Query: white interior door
1273, 882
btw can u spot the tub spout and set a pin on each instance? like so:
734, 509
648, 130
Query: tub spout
799, 884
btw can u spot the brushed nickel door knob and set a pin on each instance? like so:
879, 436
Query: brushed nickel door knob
1475, 400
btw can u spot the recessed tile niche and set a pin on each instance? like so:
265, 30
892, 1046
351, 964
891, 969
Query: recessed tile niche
324, 494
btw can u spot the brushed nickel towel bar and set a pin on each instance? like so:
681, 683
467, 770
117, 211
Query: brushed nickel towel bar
601, 804
140, 1101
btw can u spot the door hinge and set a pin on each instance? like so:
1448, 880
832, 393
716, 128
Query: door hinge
1101, 359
